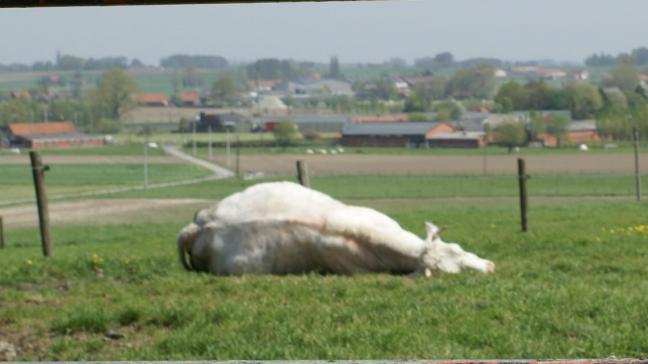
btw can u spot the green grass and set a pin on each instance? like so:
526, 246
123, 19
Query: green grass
16, 180
416, 187
130, 149
573, 287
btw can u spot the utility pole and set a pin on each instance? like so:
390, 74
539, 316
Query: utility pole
209, 143
146, 172
194, 138
238, 155
522, 178
227, 146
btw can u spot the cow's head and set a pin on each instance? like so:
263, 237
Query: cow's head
449, 257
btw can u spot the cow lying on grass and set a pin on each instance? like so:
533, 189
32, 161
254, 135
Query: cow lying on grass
283, 228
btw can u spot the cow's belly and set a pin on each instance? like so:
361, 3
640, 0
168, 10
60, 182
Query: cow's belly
291, 248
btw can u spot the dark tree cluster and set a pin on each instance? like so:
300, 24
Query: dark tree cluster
195, 61
637, 56
273, 68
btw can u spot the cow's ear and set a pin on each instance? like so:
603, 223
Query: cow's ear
432, 231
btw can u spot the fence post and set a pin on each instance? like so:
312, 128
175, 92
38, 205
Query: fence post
38, 171
635, 137
302, 173
1, 234
522, 178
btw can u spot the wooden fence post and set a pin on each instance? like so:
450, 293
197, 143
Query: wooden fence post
1, 234
522, 178
635, 137
38, 171
302, 174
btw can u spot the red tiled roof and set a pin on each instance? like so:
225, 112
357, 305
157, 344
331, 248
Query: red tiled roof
188, 96
59, 127
151, 99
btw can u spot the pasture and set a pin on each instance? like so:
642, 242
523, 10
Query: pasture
573, 286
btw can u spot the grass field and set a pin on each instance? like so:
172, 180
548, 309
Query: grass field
572, 287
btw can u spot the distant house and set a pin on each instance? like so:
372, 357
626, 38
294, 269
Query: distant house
263, 85
580, 132
155, 100
314, 88
384, 118
47, 135
188, 99
410, 134
584, 131
272, 105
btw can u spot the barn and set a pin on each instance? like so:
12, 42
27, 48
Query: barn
457, 139
58, 134
399, 134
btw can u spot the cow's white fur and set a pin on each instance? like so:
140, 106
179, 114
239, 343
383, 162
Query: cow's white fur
282, 227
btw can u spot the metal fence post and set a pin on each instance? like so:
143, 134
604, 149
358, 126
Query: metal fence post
522, 178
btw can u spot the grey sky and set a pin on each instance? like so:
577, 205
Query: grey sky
355, 31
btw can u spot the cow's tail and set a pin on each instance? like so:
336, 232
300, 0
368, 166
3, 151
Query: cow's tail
185, 241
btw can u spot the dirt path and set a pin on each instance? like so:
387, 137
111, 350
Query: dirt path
357, 164
100, 212
219, 171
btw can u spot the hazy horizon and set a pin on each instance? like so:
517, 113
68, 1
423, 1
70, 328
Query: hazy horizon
354, 31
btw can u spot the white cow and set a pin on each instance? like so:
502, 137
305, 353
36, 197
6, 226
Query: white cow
283, 228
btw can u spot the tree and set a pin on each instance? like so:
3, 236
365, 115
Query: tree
516, 94
198, 61
334, 68
624, 75
448, 110
190, 78
600, 60
285, 133
510, 133
414, 103
536, 125
444, 59
113, 96
224, 89
476, 81
584, 100
417, 116
557, 126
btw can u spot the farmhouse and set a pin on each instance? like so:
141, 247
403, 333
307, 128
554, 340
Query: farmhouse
47, 135
409, 134
158, 100
579, 132
188, 99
